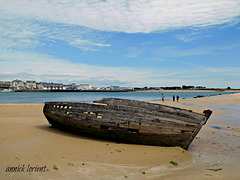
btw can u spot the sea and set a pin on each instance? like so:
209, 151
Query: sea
88, 97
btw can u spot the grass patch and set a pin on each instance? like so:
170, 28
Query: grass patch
219, 169
55, 168
70, 164
173, 163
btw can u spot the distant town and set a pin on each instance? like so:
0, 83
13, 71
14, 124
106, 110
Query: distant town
31, 85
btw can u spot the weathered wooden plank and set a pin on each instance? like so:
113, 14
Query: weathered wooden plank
127, 121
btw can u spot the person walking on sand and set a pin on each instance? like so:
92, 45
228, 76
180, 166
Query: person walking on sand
162, 97
177, 98
173, 98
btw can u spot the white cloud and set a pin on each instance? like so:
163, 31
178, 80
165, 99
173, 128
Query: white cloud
48, 67
28, 24
192, 36
128, 16
175, 51
87, 45
171, 51
25, 33
20, 65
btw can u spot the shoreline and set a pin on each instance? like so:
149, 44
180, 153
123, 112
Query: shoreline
131, 90
27, 138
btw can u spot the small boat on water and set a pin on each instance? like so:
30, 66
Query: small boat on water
6, 90
128, 121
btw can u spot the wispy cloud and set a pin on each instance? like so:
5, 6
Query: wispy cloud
134, 52
174, 51
29, 24
87, 44
44, 67
192, 36
47, 68
128, 16
25, 33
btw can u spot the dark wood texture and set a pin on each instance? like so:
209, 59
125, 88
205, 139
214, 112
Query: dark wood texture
128, 121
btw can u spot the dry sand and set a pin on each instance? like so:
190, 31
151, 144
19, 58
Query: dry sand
27, 139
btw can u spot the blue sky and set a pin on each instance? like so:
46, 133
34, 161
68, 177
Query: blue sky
126, 43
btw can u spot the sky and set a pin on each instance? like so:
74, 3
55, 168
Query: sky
129, 43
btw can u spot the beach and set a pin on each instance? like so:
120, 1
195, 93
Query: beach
31, 149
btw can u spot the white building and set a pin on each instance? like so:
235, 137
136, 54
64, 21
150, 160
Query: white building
31, 85
17, 84
51, 86
84, 87
5, 84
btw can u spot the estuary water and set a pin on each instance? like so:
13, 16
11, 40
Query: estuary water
88, 97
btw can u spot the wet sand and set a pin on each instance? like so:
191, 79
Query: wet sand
26, 139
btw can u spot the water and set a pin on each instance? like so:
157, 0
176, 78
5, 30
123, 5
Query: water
41, 97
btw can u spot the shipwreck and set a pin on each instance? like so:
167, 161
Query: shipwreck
128, 121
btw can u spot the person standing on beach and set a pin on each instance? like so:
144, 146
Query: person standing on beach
162, 97
177, 98
173, 98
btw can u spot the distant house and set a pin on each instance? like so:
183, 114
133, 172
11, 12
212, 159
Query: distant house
127, 88
84, 87
114, 88
51, 86
40, 86
5, 84
17, 84
72, 86
31, 85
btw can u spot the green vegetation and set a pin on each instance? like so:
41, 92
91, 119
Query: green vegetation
173, 163
219, 169
70, 164
55, 167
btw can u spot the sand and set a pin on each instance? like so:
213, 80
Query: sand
29, 143
191, 90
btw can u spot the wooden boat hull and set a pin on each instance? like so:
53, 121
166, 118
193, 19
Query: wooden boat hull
128, 121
